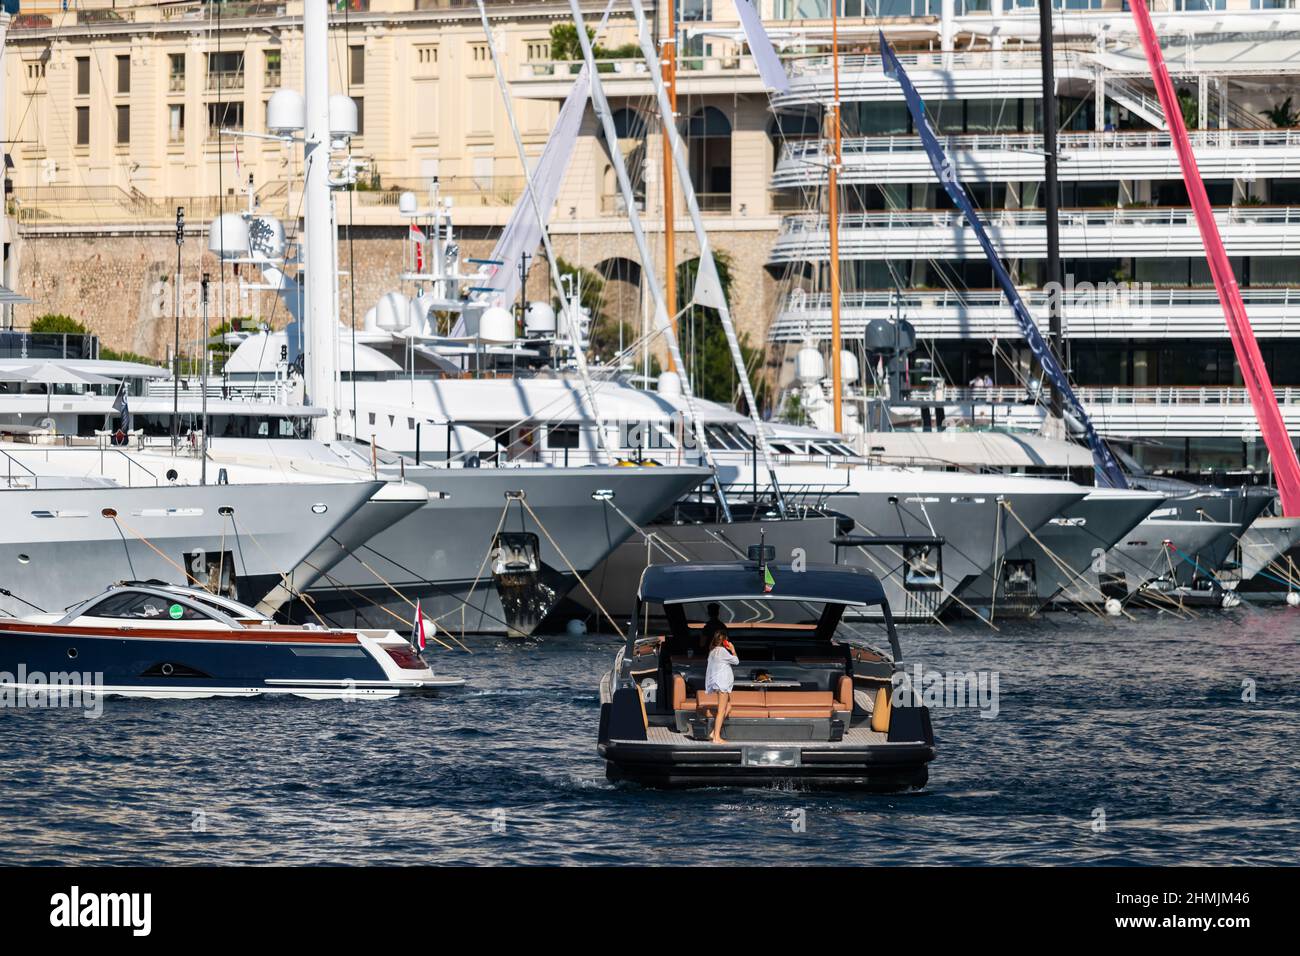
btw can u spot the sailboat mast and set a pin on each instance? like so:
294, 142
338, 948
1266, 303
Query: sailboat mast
833, 217
668, 55
1051, 197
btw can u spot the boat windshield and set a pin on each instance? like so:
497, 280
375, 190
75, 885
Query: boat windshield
138, 606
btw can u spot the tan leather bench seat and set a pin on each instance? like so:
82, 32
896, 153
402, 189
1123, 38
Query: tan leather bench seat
768, 704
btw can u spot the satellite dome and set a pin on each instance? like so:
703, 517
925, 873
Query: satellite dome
343, 116
669, 384
228, 236
496, 325
539, 319
849, 369
393, 312
286, 112
371, 322
407, 204
419, 315
809, 366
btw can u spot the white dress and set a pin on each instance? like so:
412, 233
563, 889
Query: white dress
718, 676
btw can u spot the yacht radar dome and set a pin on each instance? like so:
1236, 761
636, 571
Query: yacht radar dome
343, 116
371, 322
849, 371
496, 325
393, 312
407, 204
669, 385
419, 315
286, 112
228, 236
809, 366
539, 319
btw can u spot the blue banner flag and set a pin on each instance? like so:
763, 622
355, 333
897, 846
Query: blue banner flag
1109, 473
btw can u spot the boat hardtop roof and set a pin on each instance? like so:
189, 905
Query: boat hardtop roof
744, 580
212, 607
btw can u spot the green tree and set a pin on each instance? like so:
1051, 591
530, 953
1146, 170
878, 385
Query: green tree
704, 343
564, 41
565, 45
57, 324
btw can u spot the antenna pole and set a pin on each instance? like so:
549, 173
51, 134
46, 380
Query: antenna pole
833, 210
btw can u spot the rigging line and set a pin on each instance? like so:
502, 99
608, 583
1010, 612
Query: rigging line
569, 564
284, 576
899, 570
492, 543
570, 310
365, 597
420, 578
650, 538
189, 578
1060, 563
352, 259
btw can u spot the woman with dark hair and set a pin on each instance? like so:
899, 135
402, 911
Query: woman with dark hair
718, 676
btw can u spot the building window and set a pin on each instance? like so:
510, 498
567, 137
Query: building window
35, 71
83, 76
176, 123
83, 125
225, 71
426, 55
123, 74
272, 74
357, 65
361, 115
708, 141
479, 53
694, 11
539, 51
176, 73
123, 125
224, 116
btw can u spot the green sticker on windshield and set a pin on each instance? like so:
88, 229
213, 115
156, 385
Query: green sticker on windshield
176, 611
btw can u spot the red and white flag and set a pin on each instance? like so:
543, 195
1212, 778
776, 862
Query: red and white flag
419, 239
417, 632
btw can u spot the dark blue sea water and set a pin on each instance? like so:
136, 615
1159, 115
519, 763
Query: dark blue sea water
1142, 720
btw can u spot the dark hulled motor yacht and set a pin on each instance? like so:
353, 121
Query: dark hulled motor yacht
150, 639
814, 703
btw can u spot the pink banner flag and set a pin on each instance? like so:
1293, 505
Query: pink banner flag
1286, 469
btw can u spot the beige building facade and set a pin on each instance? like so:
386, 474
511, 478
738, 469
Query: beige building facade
116, 114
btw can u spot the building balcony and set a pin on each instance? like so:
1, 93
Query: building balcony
1018, 157
226, 81
630, 77
1126, 413
1021, 233
1122, 312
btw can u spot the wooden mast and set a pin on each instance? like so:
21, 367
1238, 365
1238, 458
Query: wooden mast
669, 65
832, 188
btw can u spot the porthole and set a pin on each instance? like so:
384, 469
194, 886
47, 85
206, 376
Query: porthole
319, 508
167, 670
24, 559
72, 653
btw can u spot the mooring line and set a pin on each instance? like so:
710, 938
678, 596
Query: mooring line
609, 617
